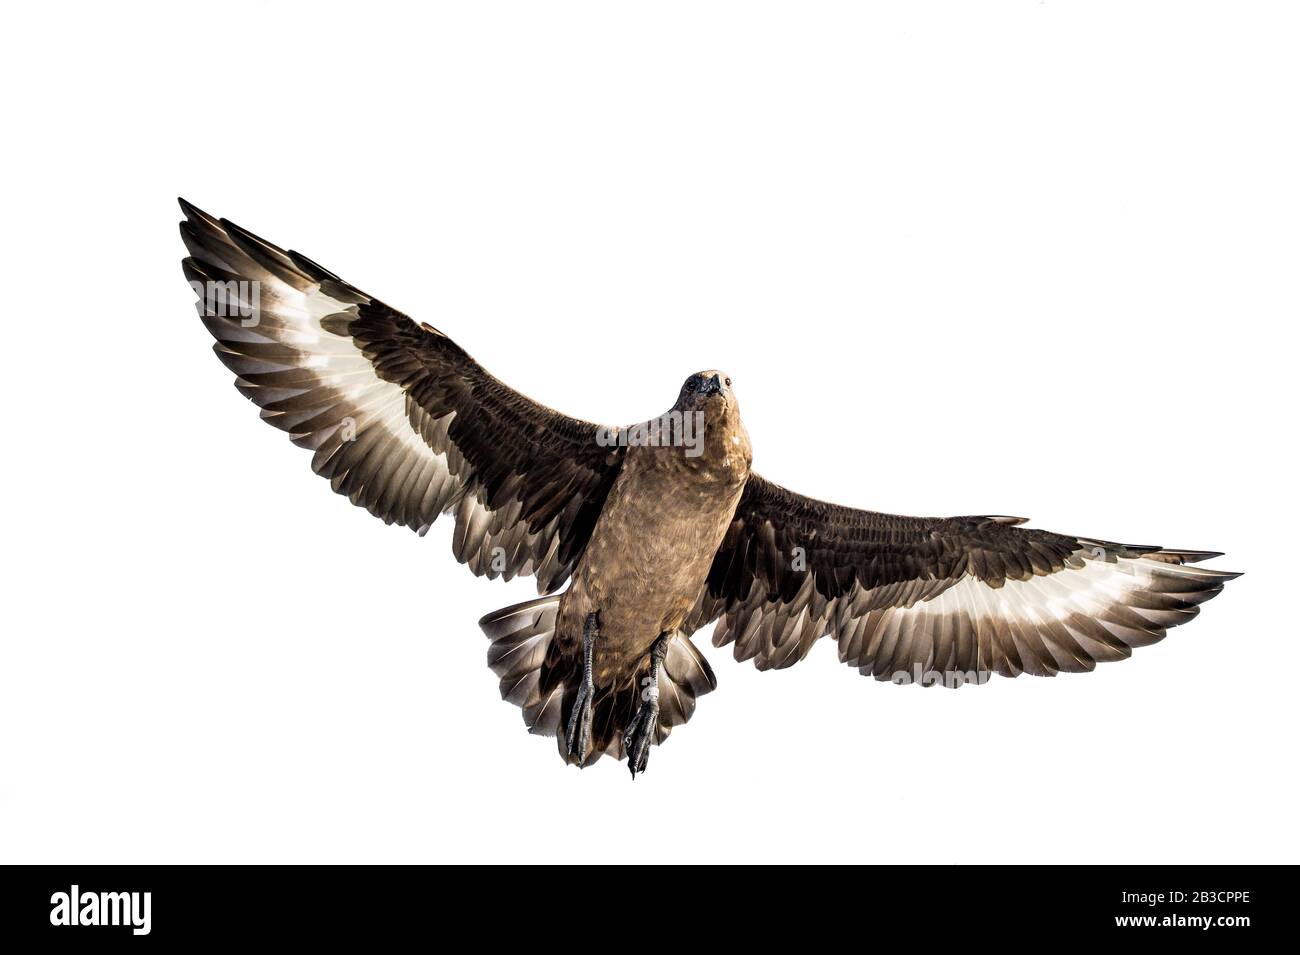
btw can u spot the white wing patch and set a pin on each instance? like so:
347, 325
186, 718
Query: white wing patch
282, 326
1095, 611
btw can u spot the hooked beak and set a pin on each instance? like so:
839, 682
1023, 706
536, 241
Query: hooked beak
711, 386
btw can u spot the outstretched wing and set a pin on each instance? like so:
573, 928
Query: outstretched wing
402, 421
937, 600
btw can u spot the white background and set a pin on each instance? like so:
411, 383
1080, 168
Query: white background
1024, 257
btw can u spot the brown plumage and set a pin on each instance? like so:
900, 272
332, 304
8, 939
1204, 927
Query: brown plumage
659, 528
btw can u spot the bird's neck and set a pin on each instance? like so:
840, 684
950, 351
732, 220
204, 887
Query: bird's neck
711, 446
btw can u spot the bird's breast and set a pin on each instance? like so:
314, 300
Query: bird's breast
651, 549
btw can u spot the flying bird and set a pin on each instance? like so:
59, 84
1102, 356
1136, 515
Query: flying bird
658, 529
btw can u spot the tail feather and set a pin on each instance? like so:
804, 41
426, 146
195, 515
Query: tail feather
541, 677
685, 677
521, 636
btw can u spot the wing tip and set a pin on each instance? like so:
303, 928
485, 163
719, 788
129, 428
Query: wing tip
1171, 555
1195, 556
196, 217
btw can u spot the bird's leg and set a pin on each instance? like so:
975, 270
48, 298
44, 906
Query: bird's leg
578, 736
639, 736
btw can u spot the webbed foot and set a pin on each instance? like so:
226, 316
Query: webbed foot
641, 733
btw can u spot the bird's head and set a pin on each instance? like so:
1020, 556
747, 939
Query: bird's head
709, 406
705, 391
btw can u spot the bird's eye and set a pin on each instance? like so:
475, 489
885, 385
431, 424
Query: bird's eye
691, 384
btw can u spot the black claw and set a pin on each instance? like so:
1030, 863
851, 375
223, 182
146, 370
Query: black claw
637, 741
639, 736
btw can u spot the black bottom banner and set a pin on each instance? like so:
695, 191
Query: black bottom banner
136, 906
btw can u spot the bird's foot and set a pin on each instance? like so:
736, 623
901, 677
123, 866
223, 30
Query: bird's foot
641, 733
578, 734
639, 736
